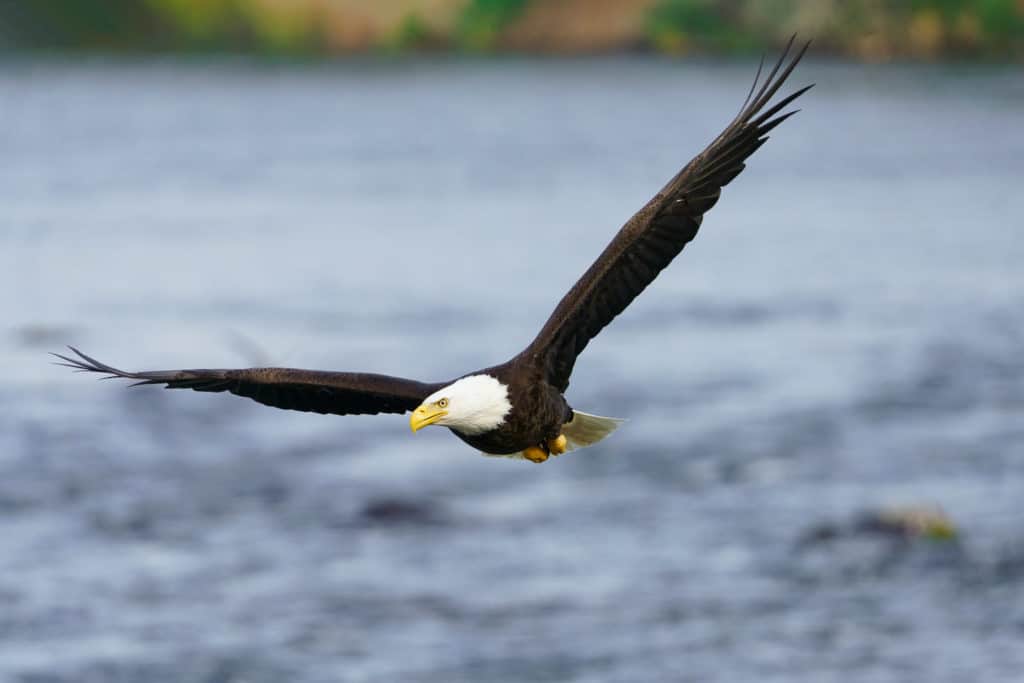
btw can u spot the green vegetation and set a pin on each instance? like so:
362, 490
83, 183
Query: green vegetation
870, 29
866, 29
411, 34
482, 21
683, 25
236, 25
88, 24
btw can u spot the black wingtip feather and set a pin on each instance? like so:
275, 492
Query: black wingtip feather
769, 83
753, 86
772, 84
85, 363
771, 125
780, 105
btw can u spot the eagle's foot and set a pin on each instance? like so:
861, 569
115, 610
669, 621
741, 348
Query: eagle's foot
557, 445
535, 454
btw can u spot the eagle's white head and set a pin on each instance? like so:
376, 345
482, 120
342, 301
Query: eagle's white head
471, 405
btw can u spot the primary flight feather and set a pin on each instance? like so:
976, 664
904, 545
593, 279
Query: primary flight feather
518, 408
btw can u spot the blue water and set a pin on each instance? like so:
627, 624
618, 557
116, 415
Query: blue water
844, 336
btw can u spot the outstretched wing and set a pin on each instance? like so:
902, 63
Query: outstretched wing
313, 391
658, 232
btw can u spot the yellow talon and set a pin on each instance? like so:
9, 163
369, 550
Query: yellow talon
558, 445
535, 454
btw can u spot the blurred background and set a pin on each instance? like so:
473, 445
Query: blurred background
875, 30
822, 472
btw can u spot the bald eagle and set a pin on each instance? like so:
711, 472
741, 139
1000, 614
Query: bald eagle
518, 408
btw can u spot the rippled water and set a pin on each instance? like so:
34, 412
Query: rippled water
844, 336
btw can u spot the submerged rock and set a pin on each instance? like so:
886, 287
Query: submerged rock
901, 523
912, 522
908, 541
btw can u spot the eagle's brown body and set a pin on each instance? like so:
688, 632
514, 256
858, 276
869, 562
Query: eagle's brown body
538, 413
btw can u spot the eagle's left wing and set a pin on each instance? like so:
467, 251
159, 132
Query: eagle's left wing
658, 232
314, 391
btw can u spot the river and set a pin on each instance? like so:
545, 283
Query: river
844, 336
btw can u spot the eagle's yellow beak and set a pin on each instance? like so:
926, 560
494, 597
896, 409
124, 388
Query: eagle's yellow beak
425, 415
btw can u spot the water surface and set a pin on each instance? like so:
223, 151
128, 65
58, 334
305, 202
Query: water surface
844, 335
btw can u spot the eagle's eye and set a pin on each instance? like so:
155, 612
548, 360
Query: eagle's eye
443, 403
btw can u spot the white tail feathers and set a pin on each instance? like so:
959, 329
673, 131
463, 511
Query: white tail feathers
586, 430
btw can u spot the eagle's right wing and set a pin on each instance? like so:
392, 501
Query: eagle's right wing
314, 391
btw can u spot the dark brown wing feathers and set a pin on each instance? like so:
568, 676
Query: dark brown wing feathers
642, 248
658, 232
337, 393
